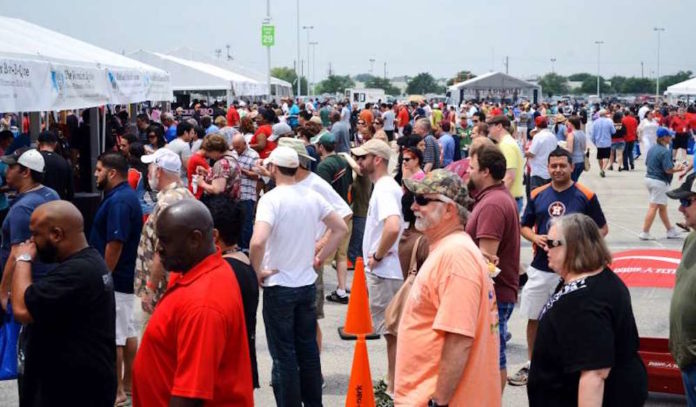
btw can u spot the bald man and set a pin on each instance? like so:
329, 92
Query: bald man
69, 314
246, 157
194, 350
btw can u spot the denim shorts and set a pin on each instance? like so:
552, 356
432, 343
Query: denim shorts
504, 312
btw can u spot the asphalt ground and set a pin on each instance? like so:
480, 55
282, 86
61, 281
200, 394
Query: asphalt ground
624, 200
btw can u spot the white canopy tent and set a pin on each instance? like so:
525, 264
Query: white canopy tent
493, 85
193, 75
279, 86
686, 88
42, 70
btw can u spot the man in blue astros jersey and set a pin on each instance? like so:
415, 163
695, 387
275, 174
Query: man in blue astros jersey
561, 197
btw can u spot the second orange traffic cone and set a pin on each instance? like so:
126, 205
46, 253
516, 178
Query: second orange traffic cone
358, 319
360, 392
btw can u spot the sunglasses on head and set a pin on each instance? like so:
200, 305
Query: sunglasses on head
554, 243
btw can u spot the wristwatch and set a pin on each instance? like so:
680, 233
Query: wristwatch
24, 257
433, 403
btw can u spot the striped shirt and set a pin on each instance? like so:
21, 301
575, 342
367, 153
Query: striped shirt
246, 161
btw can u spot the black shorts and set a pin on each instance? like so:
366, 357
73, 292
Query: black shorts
603, 153
390, 134
681, 140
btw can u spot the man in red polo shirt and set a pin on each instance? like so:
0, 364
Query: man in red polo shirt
681, 126
194, 349
630, 123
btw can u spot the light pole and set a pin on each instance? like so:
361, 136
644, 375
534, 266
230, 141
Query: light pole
599, 45
267, 20
372, 65
308, 28
297, 66
314, 60
657, 82
553, 65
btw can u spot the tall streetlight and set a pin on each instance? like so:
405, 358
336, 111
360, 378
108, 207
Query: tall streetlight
297, 66
307, 28
553, 65
372, 65
599, 45
314, 60
657, 83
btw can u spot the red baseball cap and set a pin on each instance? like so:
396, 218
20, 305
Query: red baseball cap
541, 121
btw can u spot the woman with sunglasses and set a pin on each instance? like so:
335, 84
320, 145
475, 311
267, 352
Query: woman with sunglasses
155, 139
411, 162
586, 349
378, 124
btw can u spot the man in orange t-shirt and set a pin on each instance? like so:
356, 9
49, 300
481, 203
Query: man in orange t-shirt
194, 350
451, 310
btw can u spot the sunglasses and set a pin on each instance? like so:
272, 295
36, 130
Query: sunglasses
554, 243
474, 121
406, 159
361, 123
686, 202
422, 200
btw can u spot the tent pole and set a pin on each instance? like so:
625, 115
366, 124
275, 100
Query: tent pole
94, 147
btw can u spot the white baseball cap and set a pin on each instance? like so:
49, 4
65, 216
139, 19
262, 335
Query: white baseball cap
27, 157
283, 157
164, 158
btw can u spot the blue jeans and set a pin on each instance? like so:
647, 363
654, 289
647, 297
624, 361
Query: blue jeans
577, 170
504, 312
291, 331
248, 225
520, 204
689, 378
356, 239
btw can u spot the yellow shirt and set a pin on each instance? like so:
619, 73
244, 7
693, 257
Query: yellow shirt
514, 161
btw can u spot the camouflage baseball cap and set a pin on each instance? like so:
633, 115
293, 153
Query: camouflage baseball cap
442, 182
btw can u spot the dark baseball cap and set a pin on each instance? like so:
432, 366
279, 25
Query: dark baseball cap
686, 190
47, 137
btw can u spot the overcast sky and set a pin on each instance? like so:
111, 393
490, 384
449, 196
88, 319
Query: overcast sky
411, 36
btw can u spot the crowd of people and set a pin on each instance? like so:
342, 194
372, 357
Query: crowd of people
202, 215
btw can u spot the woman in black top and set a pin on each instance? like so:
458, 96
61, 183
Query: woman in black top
228, 218
586, 349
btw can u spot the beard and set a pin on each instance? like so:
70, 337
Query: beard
47, 253
101, 184
428, 221
154, 185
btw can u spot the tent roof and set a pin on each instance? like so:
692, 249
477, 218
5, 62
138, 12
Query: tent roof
193, 75
688, 87
37, 60
493, 80
188, 53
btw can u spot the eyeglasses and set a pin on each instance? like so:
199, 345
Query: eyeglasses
686, 202
554, 243
406, 159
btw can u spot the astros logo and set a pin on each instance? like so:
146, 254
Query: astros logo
557, 209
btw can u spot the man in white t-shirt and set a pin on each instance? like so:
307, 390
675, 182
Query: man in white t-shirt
381, 240
180, 145
282, 251
543, 143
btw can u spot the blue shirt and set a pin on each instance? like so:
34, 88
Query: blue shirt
546, 203
119, 218
447, 145
658, 161
293, 117
170, 134
3, 197
602, 130
212, 129
15, 227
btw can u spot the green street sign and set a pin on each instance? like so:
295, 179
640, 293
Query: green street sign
267, 35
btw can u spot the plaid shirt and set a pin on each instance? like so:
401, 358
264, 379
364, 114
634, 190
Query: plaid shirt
432, 151
148, 241
247, 160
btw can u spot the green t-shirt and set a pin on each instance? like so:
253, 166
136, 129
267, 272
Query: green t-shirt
324, 115
682, 310
362, 189
335, 170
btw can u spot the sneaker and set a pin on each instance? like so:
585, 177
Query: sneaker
674, 233
602, 174
334, 297
520, 378
645, 236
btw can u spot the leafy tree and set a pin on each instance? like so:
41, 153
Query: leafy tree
461, 76
580, 77
589, 85
553, 84
669, 80
638, 85
289, 75
423, 83
363, 77
334, 84
617, 83
383, 83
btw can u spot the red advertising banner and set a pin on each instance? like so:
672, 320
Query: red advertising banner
647, 267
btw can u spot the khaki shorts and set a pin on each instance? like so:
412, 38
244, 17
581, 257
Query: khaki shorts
341, 254
381, 291
319, 284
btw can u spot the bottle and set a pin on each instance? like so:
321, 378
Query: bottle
194, 184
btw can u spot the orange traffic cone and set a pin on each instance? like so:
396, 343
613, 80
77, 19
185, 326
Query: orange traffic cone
358, 319
360, 392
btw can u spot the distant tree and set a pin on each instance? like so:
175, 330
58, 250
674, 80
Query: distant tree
423, 83
589, 85
580, 77
363, 77
461, 76
289, 75
383, 83
553, 84
334, 84
638, 85
617, 83
669, 80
